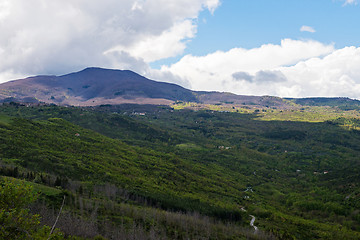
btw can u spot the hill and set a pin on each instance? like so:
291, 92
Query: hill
204, 165
97, 86
299, 179
94, 86
340, 102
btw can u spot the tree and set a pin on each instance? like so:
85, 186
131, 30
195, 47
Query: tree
16, 221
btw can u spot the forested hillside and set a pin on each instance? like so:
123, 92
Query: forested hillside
152, 172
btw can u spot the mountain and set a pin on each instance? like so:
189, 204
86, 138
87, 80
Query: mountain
98, 86
94, 86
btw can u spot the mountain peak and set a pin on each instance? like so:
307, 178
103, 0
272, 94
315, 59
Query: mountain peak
95, 86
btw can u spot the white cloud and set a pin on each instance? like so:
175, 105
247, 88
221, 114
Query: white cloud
337, 74
59, 36
350, 2
215, 71
170, 43
307, 29
212, 5
291, 69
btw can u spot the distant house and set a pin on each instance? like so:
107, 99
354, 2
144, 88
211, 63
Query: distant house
140, 114
223, 147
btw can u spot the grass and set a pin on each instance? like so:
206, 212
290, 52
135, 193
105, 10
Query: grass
308, 114
39, 188
293, 113
188, 146
5, 119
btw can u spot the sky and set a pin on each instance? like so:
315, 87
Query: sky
297, 48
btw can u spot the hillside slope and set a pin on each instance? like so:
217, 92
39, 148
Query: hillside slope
94, 86
98, 86
299, 179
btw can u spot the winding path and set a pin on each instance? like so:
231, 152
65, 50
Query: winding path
252, 220
252, 223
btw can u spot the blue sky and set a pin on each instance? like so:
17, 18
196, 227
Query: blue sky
252, 23
287, 48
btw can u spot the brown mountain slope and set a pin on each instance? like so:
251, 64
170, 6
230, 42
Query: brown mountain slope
94, 86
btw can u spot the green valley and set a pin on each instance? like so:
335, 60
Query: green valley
187, 172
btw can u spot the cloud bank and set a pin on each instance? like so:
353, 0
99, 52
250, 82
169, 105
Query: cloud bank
293, 68
58, 36
61, 36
